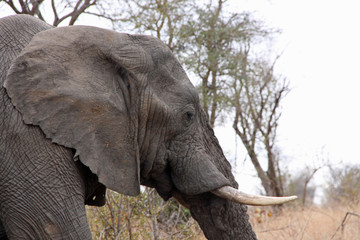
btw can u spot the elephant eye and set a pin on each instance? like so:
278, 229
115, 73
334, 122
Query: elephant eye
190, 115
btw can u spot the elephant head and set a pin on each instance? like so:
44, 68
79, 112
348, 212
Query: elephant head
127, 108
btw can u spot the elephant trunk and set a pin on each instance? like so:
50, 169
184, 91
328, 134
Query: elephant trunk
220, 215
218, 218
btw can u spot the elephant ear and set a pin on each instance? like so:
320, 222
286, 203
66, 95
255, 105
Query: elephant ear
80, 85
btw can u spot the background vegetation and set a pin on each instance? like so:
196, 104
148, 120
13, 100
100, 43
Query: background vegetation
144, 217
228, 58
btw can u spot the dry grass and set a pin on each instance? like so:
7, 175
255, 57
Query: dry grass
130, 215
320, 223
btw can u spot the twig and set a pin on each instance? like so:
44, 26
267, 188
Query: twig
306, 224
275, 229
103, 232
343, 223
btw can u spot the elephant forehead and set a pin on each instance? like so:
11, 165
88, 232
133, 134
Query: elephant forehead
93, 42
162, 57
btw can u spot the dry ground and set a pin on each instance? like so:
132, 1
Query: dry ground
312, 223
339, 222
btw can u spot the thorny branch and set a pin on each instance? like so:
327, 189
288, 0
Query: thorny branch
343, 223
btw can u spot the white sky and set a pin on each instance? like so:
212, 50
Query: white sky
320, 41
321, 59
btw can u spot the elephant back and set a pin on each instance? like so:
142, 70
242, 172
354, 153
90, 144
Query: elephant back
15, 33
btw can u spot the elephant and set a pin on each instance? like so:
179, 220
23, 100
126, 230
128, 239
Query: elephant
83, 109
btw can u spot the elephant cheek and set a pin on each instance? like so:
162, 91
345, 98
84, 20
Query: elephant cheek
197, 176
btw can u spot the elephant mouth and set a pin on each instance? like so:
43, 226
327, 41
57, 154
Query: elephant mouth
234, 195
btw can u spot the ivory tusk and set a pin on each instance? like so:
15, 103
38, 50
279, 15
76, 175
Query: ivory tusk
235, 195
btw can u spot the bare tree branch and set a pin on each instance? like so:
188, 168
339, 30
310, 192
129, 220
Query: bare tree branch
32, 7
56, 16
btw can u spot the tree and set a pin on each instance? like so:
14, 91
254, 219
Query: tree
257, 96
213, 37
300, 186
64, 10
209, 37
160, 18
343, 185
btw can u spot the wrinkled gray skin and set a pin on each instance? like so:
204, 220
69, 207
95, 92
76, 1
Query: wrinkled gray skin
82, 108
